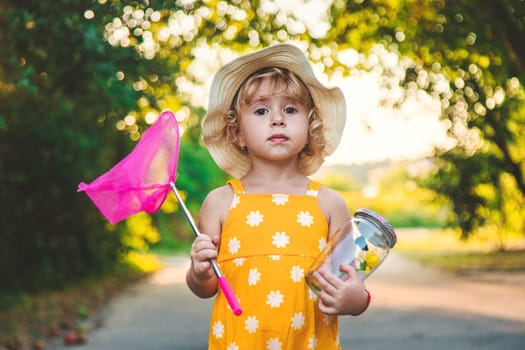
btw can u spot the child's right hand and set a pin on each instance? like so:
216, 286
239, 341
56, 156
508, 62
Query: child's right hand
203, 249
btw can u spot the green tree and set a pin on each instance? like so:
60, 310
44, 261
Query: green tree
60, 97
475, 48
73, 72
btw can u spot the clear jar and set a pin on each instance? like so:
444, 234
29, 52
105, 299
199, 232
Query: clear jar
363, 242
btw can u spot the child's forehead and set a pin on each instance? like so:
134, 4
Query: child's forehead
273, 85
267, 97
264, 92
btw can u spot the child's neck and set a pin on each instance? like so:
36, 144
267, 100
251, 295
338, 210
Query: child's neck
275, 183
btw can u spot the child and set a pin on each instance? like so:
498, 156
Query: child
270, 124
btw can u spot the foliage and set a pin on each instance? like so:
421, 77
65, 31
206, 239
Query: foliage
57, 104
75, 73
63, 89
467, 55
142, 232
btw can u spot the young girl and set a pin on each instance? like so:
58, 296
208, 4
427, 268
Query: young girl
270, 124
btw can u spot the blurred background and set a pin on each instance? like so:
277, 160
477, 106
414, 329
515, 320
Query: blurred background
435, 136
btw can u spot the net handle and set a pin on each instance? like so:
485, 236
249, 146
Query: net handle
222, 281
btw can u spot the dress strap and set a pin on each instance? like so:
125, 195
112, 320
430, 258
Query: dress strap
236, 185
313, 189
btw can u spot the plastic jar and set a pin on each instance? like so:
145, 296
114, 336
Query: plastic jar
363, 242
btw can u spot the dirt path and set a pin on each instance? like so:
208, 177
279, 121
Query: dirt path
413, 307
416, 307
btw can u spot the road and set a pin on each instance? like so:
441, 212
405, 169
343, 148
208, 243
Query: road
413, 307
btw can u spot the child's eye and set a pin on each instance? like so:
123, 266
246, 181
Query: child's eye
261, 111
290, 110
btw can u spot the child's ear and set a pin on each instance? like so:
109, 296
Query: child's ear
234, 135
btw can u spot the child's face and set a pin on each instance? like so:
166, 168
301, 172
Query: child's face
272, 127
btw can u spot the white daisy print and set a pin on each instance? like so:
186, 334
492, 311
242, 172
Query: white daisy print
218, 329
235, 202
312, 193
233, 346
297, 273
312, 295
251, 324
279, 199
254, 276
234, 245
322, 244
275, 298
238, 261
254, 218
305, 219
275, 257
280, 239
312, 343
273, 344
297, 320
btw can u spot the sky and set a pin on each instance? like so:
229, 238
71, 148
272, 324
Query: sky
375, 133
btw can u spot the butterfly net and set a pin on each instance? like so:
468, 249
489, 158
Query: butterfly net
140, 181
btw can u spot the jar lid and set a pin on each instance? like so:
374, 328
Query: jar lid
368, 214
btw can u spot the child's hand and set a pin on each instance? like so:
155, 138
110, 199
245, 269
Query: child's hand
203, 249
342, 297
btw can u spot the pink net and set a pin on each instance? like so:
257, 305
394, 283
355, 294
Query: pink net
140, 181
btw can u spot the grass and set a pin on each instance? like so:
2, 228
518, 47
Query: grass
493, 261
172, 248
443, 249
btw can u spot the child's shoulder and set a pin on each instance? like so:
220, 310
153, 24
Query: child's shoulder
329, 194
333, 204
220, 194
216, 203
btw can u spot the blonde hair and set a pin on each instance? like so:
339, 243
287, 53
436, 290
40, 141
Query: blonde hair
283, 81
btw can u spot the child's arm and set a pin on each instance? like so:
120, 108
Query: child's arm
200, 277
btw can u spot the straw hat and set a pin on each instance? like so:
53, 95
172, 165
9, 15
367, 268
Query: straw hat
329, 102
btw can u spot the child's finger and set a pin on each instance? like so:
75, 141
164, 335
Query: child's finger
326, 284
329, 304
349, 270
334, 281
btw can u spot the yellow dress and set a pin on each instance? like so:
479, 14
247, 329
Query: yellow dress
268, 241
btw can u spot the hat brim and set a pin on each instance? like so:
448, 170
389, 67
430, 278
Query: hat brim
329, 102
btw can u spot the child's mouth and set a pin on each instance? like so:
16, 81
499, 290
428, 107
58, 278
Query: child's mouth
278, 138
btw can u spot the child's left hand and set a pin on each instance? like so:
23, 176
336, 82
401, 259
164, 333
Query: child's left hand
342, 297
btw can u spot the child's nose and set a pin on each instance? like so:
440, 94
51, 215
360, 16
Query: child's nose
277, 119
